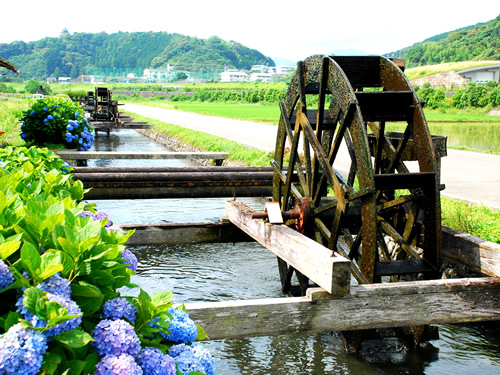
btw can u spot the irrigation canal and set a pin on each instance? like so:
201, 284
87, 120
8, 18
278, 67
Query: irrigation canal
216, 272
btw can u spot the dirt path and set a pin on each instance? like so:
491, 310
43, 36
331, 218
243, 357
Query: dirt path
470, 176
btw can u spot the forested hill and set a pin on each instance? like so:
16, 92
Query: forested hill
73, 54
477, 42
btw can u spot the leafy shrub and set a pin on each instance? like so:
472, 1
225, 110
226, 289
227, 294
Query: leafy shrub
60, 274
56, 120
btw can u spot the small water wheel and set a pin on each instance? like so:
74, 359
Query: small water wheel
365, 193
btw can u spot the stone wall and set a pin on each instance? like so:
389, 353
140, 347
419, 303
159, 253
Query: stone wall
445, 79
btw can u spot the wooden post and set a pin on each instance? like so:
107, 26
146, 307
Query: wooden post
332, 273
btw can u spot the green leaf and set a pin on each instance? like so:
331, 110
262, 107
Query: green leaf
47, 226
11, 319
50, 264
202, 335
68, 247
50, 363
31, 298
162, 298
74, 339
76, 367
9, 248
31, 259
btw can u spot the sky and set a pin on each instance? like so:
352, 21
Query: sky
290, 29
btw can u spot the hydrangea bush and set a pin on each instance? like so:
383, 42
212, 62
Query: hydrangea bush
56, 120
62, 266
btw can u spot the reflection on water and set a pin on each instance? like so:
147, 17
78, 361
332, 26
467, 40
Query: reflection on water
216, 272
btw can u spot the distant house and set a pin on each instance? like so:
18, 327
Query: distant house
261, 77
51, 80
153, 75
284, 69
233, 75
64, 80
85, 78
481, 73
259, 68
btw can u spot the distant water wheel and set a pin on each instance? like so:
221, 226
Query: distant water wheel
353, 183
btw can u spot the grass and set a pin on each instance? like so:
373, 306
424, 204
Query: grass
10, 112
478, 220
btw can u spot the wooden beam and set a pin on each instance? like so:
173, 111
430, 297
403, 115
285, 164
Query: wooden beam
367, 306
476, 253
333, 273
109, 155
184, 233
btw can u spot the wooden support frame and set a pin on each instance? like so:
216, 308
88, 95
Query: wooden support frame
111, 155
367, 306
332, 273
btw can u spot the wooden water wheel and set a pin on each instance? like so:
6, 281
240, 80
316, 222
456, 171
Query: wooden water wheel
365, 193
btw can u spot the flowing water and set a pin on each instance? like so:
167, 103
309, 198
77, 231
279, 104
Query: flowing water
216, 272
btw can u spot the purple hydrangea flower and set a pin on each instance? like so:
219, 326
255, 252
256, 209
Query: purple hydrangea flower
118, 308
124, 364
201, 354
130, 259
86, 214
114, 337
6, 277
68, 325
154, 362
21, 351
187, 362
56, 285
182, 328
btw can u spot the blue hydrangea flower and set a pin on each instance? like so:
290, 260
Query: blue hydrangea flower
45, 108
114, 337
50, 117
21, 351
182, 328
124, 364
32, 113
76, 114
86, 214
6, 277
56, 284
45, 121
118, 308
23, 135
187, 362
130, 259
201, 354
68, 325
154, 362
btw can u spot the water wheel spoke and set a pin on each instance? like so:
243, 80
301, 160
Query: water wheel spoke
320, 156
391, 231
295, 192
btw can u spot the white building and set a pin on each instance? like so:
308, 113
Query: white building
233, 75
260, 68
261, 77
283, 69
158, 74
481, 73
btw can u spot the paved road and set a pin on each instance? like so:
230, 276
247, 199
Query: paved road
470, 176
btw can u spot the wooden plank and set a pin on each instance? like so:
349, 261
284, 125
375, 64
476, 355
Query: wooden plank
184, 233
366, 307
161, 191
481, 255
333, 273
109, 155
